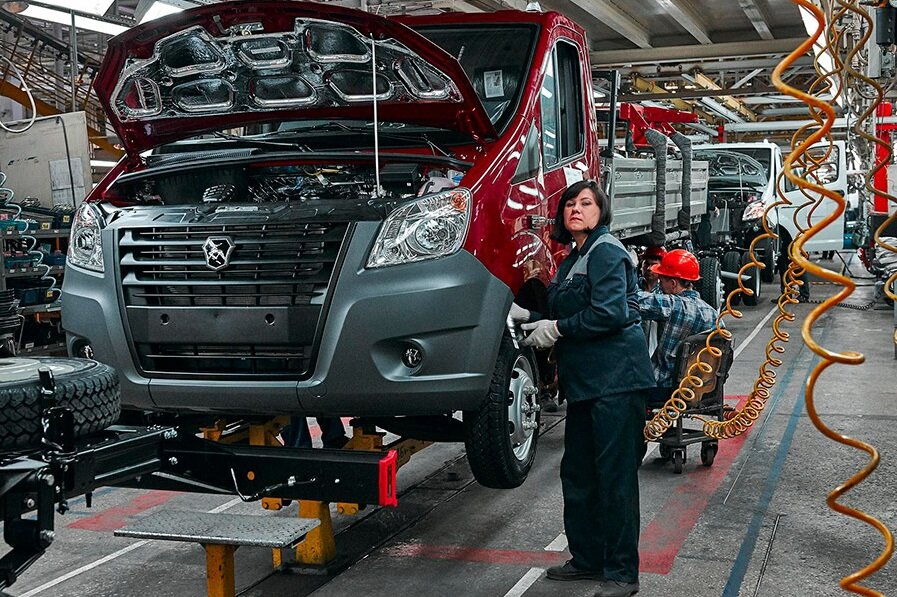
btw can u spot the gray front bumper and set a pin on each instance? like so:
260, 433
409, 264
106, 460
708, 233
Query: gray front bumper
452, 308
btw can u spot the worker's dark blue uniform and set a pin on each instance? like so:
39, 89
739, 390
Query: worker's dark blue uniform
605, 374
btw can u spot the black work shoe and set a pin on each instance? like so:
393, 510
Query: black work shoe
570, 572
616, 588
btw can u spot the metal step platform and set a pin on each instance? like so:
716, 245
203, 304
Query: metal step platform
220, 535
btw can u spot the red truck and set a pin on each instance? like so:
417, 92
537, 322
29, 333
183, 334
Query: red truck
327, 212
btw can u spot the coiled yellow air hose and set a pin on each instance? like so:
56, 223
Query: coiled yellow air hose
829, 357
740, 421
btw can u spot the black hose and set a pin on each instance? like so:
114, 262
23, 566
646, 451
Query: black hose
657, 236
68, 159
684, 145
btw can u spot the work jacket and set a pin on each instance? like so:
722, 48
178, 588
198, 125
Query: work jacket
602, 349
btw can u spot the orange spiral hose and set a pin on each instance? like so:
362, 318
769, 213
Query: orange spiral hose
829, 357
740, 421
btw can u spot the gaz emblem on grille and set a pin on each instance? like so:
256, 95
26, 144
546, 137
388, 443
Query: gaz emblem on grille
218, 250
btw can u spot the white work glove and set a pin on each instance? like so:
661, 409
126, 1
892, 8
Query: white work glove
542, 334
518, 314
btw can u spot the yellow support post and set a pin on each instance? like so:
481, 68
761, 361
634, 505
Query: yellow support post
220, 570
319, 547
265, 434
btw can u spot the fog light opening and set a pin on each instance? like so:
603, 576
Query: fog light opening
83, 350
412, 357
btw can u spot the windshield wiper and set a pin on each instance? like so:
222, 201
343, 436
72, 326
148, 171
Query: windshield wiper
334, 125
256, 142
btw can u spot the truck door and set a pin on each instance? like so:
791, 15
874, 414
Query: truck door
833, 175
562, 118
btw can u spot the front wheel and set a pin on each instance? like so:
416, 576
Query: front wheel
501, 436
731, 264
753, 282
710, 286
766, 253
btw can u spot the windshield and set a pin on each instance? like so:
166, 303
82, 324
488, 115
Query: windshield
748, 165
496, 59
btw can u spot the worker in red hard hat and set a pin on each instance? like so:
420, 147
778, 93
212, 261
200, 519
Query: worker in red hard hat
650, 257
679, 311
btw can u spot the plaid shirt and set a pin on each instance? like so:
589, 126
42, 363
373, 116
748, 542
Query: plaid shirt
682, 315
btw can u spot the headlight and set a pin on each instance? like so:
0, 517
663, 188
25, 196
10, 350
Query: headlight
85, 246
430, 227
753, 211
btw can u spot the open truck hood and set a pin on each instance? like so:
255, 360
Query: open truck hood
236, 63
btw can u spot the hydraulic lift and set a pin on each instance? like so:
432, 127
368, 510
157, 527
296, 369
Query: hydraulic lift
172, 458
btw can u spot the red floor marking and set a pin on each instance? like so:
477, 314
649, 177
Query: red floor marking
517, 557
115, 518
659, 544
664, 536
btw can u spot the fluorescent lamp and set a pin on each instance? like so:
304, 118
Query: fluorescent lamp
96, 7
158, 10
102, 164
64, 18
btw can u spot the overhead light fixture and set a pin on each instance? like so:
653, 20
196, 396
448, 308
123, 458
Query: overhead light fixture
65, 18
102, 164
14, 7
158, 10
61, 11
94, 7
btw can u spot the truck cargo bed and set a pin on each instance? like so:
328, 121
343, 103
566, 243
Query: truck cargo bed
632, 192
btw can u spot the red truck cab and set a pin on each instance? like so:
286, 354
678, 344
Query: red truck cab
291, 233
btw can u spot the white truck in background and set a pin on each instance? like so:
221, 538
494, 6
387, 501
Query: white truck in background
742, 184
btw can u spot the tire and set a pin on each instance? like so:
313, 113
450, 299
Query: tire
87, 387
766, 253
678, 460
753, 283
732, 263
500, 449
710, 285
665, 451
708, 453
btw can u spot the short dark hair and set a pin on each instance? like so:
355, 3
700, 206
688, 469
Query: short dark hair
560, 232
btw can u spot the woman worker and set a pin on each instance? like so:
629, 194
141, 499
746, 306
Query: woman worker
605, 374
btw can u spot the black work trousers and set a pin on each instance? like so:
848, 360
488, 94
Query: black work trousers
599, 476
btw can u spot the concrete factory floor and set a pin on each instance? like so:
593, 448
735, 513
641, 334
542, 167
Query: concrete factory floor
755, 523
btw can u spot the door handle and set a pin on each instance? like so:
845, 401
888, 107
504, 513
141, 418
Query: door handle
537, 222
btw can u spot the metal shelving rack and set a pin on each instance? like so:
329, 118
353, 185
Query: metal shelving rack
30, 311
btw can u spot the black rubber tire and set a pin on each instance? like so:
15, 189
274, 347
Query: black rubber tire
753, 283
487, 437
87, 387
708, 453
678, 461
665, 451
708, 285
732, 263
766, 253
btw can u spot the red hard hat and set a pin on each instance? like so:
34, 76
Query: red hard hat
654, 252
678, 263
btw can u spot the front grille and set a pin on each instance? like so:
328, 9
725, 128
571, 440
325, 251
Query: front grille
165, 273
